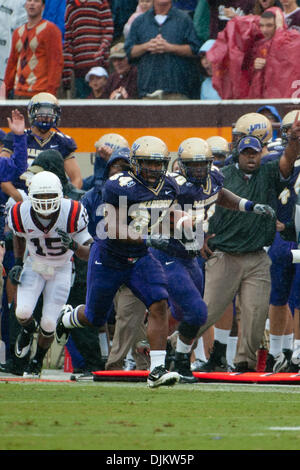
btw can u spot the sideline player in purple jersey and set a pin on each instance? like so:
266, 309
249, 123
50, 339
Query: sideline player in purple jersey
293, 233
284, 274
11, 168
201, 186
44, 115
135, 201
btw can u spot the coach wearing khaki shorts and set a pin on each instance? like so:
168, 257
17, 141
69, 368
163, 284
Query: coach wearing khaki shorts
129, 330
234, 247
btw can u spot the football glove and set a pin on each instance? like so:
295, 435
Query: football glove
15, 272
66, 240
174, 247
191, 248
263, 209
157, 241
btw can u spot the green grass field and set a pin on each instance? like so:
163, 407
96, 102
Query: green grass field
106, 416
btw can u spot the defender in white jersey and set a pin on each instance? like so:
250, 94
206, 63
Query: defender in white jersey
47, 229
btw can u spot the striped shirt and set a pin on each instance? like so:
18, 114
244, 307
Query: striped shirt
89, 31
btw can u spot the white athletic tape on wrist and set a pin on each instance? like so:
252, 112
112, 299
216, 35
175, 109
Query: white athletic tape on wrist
296, 256
242, 204
181, 220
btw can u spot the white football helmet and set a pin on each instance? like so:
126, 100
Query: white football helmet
45, 193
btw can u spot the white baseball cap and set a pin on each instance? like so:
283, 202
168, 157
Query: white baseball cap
207, 45
98, 71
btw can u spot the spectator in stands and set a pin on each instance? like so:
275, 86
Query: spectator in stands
89, 33
201, 20
122, 82
256, 57
188, 6
121, 12
12, 15
33, 66
274, 117
207, 91
55, 11
163, 44
261, 5
221, 11
271, 25
143, 6
243, 256
97, 80
291, 12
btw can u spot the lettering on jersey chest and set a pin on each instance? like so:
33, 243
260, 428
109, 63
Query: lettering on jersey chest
47, 246
203, 210
143, 216
200, 204
284, 196
33, 153
44, 239
147, 215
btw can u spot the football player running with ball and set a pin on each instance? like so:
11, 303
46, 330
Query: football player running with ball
201, 187
134, 202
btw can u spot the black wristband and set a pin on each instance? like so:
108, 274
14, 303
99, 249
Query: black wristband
19, 262
74, 246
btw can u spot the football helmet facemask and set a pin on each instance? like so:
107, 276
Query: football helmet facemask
195, 159
149, 158
44, 111
45, 193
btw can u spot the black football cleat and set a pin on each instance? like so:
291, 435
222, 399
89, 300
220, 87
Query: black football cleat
182, 365
61, 332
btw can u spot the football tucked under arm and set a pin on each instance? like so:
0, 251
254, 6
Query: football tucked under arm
181, 225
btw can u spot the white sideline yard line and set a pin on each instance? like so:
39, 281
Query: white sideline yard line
284, 428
